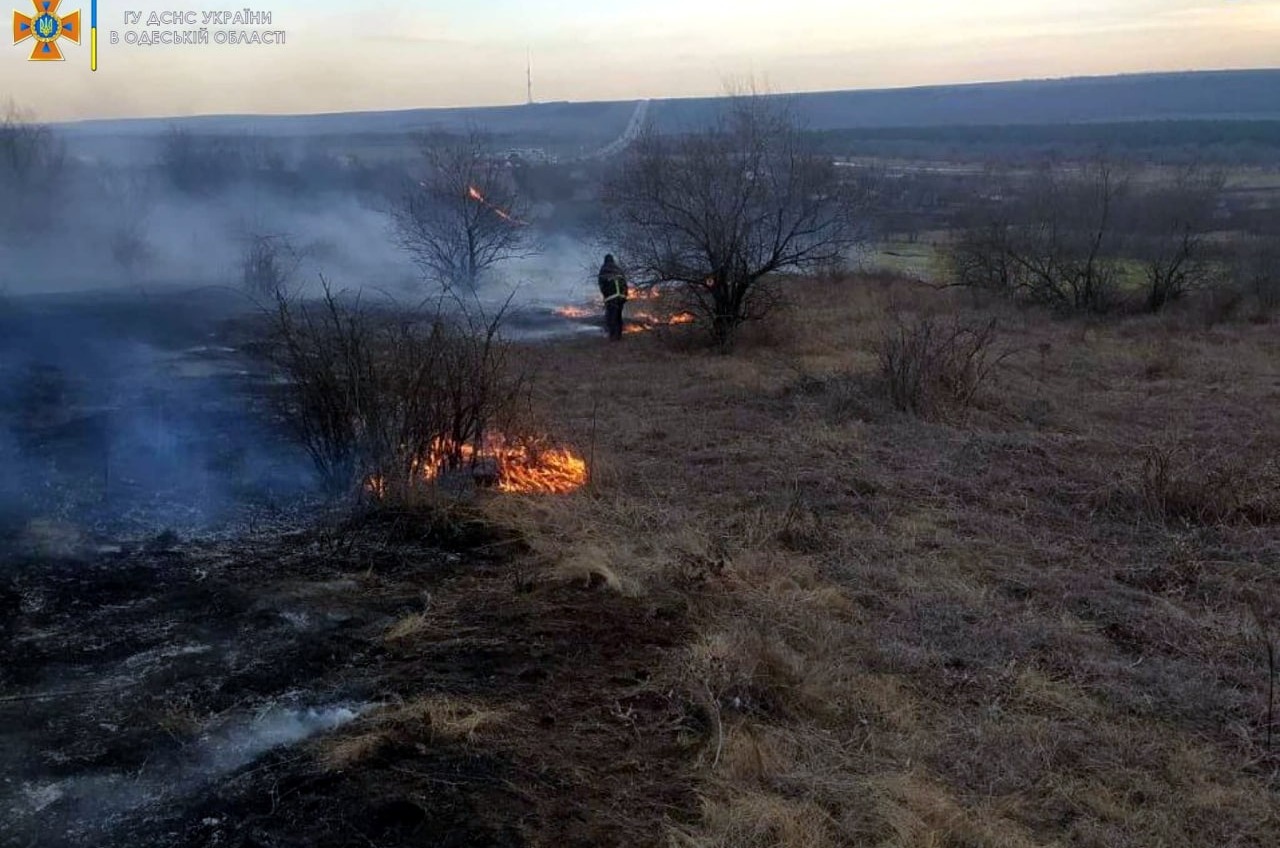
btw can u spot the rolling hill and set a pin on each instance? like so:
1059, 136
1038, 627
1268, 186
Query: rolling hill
1203, 95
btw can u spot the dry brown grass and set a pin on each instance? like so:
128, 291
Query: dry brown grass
435, 718
409, 627
1207, 488
919, 632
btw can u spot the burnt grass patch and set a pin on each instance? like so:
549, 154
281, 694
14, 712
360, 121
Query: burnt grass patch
125, 672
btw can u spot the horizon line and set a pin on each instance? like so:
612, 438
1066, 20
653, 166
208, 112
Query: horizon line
672, 98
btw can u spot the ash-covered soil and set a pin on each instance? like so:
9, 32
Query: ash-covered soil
186, 634
124, 416
184, 693
132, 678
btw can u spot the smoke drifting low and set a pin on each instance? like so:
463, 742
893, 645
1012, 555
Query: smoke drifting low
111, 418
121, 260
175, 209
111, 226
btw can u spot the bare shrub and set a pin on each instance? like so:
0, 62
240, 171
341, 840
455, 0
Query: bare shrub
1079, 238
1257, 273
372, 394
1179, 485
130, 195
981, 258
269, 264
932, 365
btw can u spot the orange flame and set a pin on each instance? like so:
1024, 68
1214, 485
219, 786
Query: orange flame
475, 194
519, 467
552, 471
643, 319
644, 294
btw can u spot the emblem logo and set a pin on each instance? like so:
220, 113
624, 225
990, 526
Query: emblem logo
47, 27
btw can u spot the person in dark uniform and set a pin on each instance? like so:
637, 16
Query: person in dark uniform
613, 288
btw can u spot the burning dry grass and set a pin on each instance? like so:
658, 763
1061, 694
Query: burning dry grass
513, 466
648, 309
394, 403
914, 632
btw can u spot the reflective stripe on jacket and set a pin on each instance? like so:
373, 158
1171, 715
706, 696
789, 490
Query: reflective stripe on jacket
619, 285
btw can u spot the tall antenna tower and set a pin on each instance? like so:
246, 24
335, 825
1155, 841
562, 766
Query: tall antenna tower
528, 72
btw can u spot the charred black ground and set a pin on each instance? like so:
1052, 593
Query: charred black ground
136, 680
182, 615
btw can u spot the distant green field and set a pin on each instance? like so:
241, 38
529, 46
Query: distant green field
918, 259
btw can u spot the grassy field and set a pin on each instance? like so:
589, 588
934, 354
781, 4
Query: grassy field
1038, 621
919, 260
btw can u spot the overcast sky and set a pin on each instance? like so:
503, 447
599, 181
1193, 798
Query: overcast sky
354, 55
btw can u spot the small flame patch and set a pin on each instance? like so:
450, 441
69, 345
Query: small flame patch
518, 467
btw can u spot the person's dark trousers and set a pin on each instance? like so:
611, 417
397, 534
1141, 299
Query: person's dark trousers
613, 317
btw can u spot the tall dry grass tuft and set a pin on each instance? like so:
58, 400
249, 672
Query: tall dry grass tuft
1183, 486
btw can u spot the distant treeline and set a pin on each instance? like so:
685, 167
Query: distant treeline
1227, 141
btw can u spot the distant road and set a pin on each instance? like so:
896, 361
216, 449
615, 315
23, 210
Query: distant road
629, 135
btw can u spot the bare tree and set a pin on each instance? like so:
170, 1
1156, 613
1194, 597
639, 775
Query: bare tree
980, 254
463, 215
1069, 245
1173, 220
981, 257
22, 142
1073, 236
1056, 238
1257, 271
722, 211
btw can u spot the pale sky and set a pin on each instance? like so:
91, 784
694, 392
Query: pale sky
359, 55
